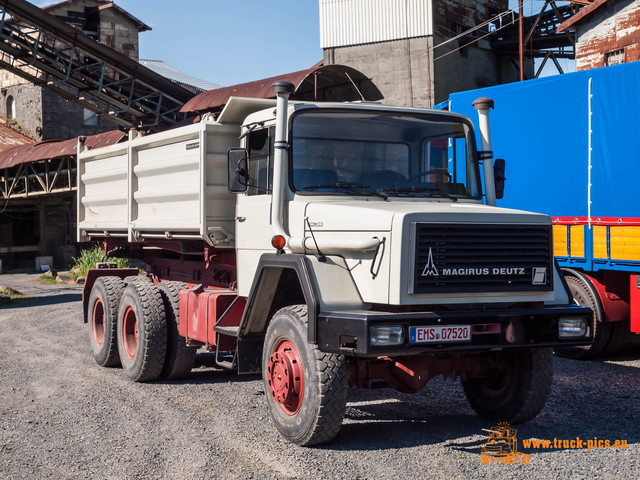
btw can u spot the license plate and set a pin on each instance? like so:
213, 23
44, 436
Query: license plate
440, 334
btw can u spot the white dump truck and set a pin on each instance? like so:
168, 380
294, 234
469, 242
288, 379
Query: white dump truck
325, 245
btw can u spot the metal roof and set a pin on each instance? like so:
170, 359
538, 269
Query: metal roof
10, 138
172, 73
337, 83
52, 149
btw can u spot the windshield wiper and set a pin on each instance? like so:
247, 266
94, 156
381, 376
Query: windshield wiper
434, 192
350, 188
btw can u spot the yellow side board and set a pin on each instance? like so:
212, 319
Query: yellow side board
560, 241
625, 242
577, 240
599, 241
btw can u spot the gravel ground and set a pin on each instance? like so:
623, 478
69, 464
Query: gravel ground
62, 416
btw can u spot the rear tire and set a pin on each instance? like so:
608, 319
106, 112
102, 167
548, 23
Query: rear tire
142, 331
306, 389
585, 294
103, 318
180, 358
514, 394
136, 278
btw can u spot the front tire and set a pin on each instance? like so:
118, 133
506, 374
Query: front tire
103, 310
142, 331
306, 389
516, 392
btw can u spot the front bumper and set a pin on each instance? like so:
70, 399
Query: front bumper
348, 332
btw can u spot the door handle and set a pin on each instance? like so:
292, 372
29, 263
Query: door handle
241, 219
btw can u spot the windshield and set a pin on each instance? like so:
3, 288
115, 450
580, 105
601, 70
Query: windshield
385, 154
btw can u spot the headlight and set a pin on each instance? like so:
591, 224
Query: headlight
572, 327
384, 336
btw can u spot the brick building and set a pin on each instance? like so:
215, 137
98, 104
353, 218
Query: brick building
607, 33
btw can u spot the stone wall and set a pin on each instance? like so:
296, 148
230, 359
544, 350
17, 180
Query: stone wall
399, 68
28, 109
63, 119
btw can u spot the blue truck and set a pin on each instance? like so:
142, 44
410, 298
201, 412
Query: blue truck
572, 149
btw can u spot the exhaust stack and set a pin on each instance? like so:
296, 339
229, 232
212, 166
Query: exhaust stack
283, 89
482, 105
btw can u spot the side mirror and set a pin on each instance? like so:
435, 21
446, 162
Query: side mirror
237, 170
498, 176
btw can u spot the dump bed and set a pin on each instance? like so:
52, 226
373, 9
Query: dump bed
166, 185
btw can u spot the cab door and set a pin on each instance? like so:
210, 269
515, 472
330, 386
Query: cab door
253, 208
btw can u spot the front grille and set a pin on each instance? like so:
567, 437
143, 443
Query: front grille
481, 258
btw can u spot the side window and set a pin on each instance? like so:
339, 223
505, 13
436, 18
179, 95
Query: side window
260, 147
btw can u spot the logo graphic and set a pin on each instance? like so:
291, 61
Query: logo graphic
539, 276
502, 446
430, 268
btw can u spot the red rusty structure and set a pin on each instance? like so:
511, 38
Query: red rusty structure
45, 167
539, 36
331, 83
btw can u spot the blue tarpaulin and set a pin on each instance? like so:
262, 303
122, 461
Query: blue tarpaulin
541, 128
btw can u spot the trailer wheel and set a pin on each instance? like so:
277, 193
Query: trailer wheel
306, 389
142, 331
103, 305
585, 294
180, 357
617, 337
517, 391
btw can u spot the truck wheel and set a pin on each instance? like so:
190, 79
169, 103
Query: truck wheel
103, 308
142, 331
135, 278
306, 389
180, 357
515, 393
585, 294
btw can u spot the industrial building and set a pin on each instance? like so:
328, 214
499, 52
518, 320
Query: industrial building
417, 51
607, 33
40, 113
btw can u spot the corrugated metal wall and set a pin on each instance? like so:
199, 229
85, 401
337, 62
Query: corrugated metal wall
354, 22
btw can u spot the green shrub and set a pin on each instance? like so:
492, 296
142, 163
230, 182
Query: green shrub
88, 259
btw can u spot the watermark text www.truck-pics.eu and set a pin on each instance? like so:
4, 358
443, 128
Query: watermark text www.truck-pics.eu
575, 443
502, 445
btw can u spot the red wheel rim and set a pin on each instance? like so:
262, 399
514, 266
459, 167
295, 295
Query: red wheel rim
97, 322
285, 376
130, 332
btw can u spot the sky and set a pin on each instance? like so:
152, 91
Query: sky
236, 41
230, 41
